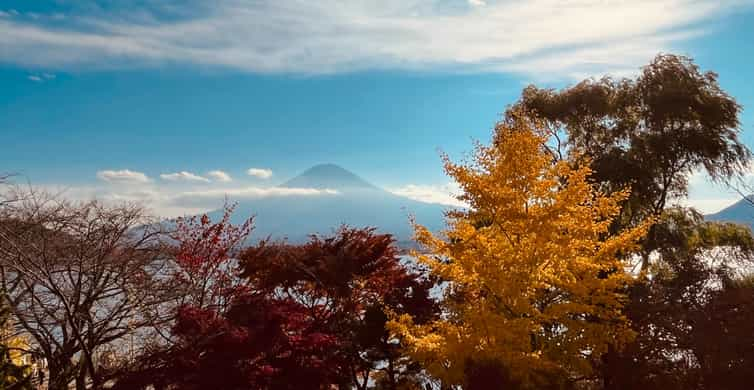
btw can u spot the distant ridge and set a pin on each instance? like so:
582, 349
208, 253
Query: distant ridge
328, 176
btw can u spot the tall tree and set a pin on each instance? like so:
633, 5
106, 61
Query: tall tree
535, 279
77, 278
649, 134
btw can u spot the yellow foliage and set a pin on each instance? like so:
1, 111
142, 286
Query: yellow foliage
17, 345
536, 280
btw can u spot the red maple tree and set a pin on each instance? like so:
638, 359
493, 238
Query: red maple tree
281, 316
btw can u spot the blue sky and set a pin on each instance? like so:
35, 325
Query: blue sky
142, 100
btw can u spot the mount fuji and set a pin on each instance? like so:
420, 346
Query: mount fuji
345, 199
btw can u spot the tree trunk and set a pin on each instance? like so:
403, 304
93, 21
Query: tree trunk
81, 377
391, 374
58, 379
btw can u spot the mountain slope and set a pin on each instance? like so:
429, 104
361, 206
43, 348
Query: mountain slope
328, 176
355, 202
740, 212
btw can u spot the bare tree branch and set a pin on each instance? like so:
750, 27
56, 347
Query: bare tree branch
78, 278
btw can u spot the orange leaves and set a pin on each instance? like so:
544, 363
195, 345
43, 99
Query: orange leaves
535, 280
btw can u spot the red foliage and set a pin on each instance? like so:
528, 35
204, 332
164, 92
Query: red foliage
285, 317
206, 268
259, 344
346, 281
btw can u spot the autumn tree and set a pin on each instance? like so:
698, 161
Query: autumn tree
205, 253
350, 280
300, 317
13, 374
648, 134
200, 279
535, 279
77, 278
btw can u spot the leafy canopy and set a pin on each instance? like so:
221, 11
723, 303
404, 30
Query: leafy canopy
535, 280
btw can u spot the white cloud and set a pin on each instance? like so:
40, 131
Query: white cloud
536, 37
220, 176
704, 195
124, 176
707, 196
439, 194
708, 206
212, 199
262, 192
183, 176
261, 173
167, 200
38, 78
477, 3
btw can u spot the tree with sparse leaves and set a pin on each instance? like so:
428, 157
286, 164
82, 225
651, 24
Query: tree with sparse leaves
78, 278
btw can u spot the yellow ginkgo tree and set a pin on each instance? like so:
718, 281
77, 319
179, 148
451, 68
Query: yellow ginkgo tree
535, 281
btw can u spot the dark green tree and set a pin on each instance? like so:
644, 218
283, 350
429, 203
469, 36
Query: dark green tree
681, 315
648, 134
723, 336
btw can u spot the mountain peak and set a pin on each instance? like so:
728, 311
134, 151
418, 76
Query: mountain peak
329, 176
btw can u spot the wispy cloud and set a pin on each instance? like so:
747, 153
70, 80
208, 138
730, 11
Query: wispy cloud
39, 78
706, 205
261, 173
124, 176
535, 37
220, 176
183, 176
708, 196
166, 199
438, 194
